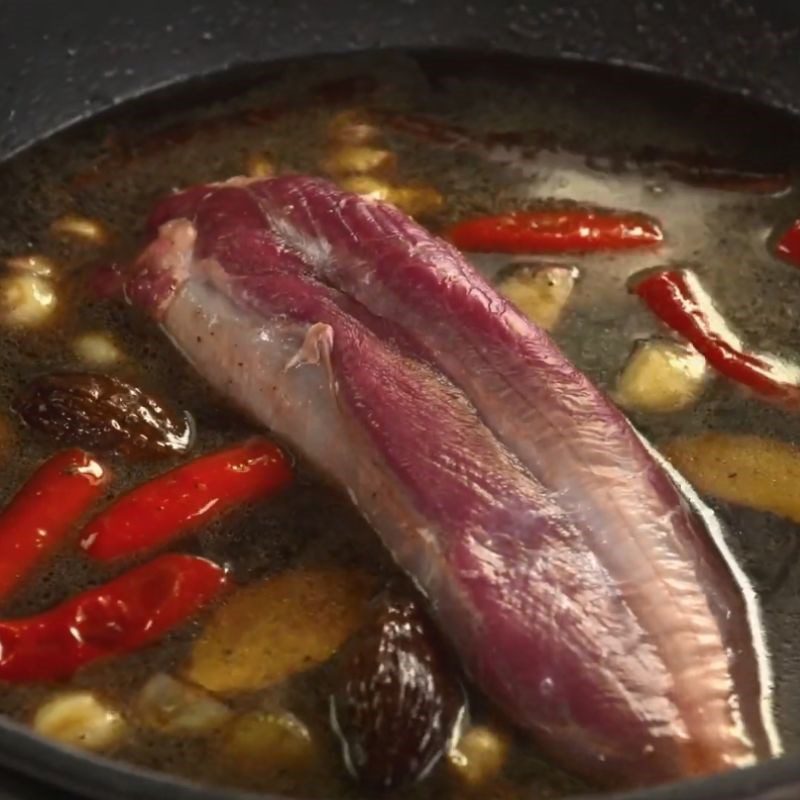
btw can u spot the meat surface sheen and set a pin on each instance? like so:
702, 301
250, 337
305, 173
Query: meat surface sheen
582, 592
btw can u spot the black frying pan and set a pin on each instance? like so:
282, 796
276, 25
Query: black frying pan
64, 61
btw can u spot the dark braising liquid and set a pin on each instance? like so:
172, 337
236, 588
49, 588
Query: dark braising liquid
576, 130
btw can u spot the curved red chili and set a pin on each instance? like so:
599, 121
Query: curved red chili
181, 500
679, 300
45, 511
556, 231
131, 611
788, 247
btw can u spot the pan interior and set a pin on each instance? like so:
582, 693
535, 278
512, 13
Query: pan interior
570, 132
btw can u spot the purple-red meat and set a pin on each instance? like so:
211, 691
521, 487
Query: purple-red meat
582, 592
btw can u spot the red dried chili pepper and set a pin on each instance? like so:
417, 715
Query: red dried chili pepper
556, 231
707, 171
725, 178
131, 611
679, 300
44, 511
429, 129
491, 145
788, 247
178, 501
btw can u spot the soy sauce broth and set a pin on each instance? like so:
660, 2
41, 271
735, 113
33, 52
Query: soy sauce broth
576, 131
